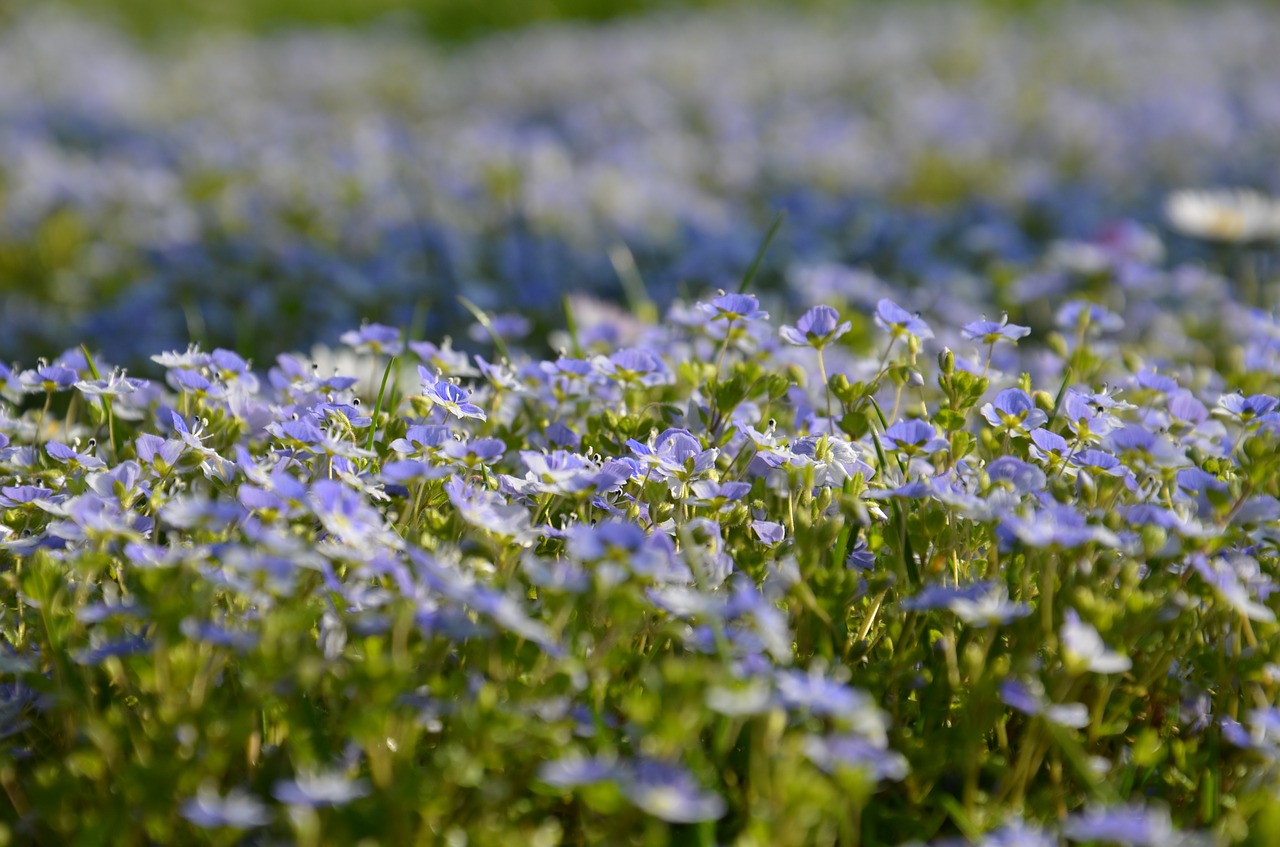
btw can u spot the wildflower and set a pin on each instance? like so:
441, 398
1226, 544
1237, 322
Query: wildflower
914, 436
319, 789
978, 603
1232, 215
1224, 575
1248, 409
237, 810
1028, 698
509, 326
816, 328
734, 307
1133, 826
575, 771
374, 339
1082, 648
668, 792
991, 332
769, 532
113, 386
60, 452
1014, 411
899, 322
635, 365
854, 751
1077, 313
48, 378
451, 397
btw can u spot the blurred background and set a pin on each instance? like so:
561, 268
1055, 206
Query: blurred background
265, 174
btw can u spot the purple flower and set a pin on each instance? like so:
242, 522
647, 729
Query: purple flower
816, 328
158, 452
1148, 378
1018, 834
320, 789
1056, 524
1049, 446
1083, 649
1248, 408
237, 810
977, 604
899, 322
635, 365
1014, 411
1225, 576
486, 509
1023, 477
1077, 313
990, 332
453, 398
717, 495
113, 386
913, 436
676, 452
1184, 406
1029, 699
769, 532
734, 307
1133, 826
1098, 462
422, 439
508, 326
575, 771
824, 697
668, 792
344, 513
22, 495
374, 338
855, 751
64, 454
48, 378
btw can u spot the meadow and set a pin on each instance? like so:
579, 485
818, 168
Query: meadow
717, 427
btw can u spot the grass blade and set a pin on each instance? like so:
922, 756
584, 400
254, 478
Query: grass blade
764, 248
483, 320
377, 406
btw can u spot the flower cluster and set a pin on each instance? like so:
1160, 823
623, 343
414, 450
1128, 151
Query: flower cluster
268, 193
865, 571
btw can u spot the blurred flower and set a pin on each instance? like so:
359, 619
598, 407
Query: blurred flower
1238, 215
237, 810
319, 789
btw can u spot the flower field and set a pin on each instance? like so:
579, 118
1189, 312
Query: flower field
703, 429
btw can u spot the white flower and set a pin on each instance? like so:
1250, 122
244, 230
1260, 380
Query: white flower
1083, 648
1224, 215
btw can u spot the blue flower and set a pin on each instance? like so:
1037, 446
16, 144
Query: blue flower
319, 789
899, 322
914, 436
1014, 411
1247, 409
990, 332
1082, 648
668, 792
816, 328
1077, 313
575, 771
375, 339
452, 398
734, 307
237, 810
1029, 699
1133, 826
855, 751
